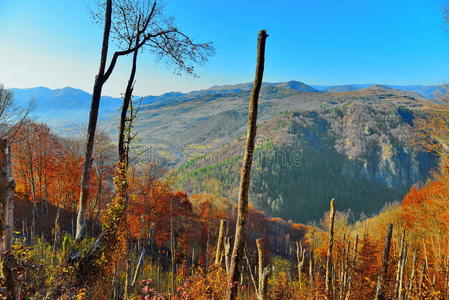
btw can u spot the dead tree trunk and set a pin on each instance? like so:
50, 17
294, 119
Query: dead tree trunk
57, 231
227, 252
401, 289
413, 272
380, 282
260, 285
329, 250
300, 257
354, 265
311, 267
263, 273
138, 267
237, 251
7, 261
345, 270
220, 242
399, 266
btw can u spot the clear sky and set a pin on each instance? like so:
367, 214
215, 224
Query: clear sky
53, 43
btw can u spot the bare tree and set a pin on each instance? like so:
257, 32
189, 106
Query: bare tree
143, 21
245, 177
136, 24
11, 115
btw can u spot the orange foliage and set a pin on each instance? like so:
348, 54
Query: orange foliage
425, 209
154, 209
47, 168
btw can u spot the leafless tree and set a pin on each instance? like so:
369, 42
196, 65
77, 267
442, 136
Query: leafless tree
11, 115
144, 22
136, 25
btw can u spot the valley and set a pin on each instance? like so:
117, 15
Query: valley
349, 142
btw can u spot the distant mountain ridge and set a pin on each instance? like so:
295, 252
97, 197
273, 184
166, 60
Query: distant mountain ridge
426, 91
66, 110
65, 98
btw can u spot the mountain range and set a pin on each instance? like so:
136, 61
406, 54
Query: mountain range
58, 104
351, 142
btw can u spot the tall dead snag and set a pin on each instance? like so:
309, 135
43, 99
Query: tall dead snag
237, 251
329, 249
300, 257
401, 286
399, 266
380, 282
226, 253
413, 271
7, 185
344, 269
260, 285
311, 268
220, 243
263, 272
354, 265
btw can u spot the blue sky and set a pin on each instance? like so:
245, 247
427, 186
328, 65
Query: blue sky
53, 43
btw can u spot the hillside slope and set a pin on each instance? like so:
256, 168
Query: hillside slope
355, 146
200, 122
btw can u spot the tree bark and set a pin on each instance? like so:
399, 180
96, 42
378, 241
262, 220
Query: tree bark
379, 289
398, 268
263, 273
311, 267
300, 257
6, 197
97, 205
401, 290
220, 242
237, 251
227, 252
122, 148
7, 261
100, 79
354, 265
138, 267
329, 249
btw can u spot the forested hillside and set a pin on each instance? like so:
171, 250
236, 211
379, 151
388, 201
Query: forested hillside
359, 150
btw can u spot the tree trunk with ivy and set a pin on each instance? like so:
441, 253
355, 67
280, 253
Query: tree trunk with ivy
110, 247
94, 271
